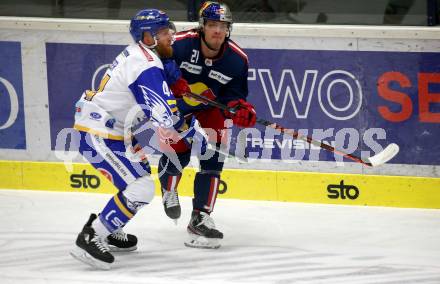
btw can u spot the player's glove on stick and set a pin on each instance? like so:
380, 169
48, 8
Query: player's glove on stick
244, 115
180, 87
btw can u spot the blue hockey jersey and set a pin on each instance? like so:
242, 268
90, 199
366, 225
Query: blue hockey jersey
226, 75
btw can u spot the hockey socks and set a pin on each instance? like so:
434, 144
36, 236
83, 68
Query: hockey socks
205, 191
170, 197
116, 213
169, 177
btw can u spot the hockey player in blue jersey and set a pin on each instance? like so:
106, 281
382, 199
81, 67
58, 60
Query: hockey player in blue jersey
133, 89
216, 67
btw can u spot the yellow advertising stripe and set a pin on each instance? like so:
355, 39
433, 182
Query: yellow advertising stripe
329, 188
11, 174
352, 189
250, 184
57, 177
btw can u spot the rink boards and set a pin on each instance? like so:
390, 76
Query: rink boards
330, 188
357, 88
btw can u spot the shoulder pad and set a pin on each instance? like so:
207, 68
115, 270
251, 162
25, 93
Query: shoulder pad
236, 49
186, 34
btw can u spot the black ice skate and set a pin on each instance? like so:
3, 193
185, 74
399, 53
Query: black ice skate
91, 248
202, 231
171, 204
120, 241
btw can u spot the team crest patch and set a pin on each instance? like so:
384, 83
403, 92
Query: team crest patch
95, 116
110, 123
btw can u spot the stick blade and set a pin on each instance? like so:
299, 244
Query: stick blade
383, 157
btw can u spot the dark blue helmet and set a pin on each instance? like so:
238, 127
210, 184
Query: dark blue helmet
215, 11
148, 20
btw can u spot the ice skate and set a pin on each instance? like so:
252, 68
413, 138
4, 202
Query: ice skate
171, 204
91, 248
202, 231
119, 241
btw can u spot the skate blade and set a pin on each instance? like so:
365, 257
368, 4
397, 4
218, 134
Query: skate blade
86, 258
117, 249
196, 241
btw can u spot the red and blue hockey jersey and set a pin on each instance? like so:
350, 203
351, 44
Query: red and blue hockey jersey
226, 75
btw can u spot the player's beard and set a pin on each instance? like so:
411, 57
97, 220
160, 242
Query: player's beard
216, 46
213, 45
164, 51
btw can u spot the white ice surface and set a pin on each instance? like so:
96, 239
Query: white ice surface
265, 242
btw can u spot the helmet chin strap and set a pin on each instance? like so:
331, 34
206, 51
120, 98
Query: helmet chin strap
149, 46
206, 43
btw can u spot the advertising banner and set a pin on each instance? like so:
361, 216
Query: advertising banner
352, 99
357, 101
72, 69
12, 122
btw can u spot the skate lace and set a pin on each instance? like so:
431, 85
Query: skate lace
207, 220
170, 198
100, 243
120, 235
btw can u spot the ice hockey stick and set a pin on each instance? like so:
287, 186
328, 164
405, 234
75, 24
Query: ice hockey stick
379, 159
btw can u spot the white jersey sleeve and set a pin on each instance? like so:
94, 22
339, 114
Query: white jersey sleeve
133, 87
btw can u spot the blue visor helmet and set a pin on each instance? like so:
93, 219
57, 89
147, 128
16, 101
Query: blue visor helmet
149, 20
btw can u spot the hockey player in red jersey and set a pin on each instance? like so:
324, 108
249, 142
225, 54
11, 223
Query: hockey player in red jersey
212, 65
